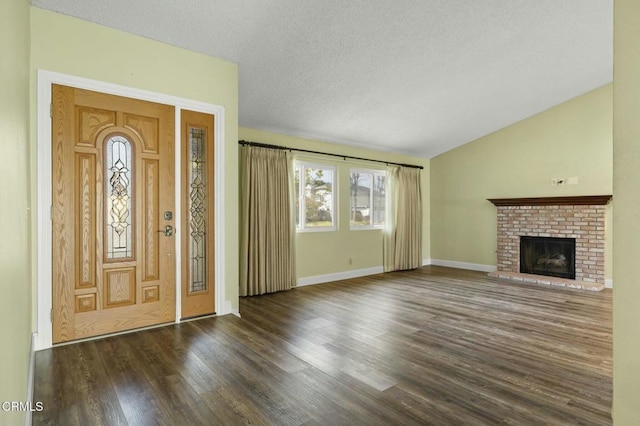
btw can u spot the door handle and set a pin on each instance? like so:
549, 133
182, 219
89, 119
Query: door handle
167, 231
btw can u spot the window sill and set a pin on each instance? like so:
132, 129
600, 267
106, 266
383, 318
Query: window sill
312, 230
366, 228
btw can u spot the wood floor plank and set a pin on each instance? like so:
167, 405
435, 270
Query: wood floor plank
96, 400
139, 400
432, 346
232, 407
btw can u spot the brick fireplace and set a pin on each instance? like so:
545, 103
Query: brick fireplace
580, 218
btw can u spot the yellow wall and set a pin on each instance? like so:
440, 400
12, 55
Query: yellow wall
321, 253
15, 287
573, 139
71, 46
626, 219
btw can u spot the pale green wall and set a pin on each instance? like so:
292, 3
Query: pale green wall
15, 280
573, 139
626, 219
321, 253
513, 162
71, 46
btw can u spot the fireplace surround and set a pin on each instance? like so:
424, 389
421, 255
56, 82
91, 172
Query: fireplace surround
580, 218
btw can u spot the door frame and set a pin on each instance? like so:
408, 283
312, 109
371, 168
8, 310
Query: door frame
43, 336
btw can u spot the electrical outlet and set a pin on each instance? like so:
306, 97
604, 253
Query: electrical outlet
561, 181
554, 181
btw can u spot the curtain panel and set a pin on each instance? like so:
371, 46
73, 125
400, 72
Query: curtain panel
267, 232
403, 230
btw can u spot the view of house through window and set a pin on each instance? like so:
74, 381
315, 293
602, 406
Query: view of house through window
367, 198
315, 203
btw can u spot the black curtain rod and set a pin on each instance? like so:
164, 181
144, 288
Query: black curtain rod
344, 157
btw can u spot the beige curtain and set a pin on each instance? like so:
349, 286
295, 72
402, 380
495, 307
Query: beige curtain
403, 229
267, 261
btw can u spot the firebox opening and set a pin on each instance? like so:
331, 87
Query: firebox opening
553, 257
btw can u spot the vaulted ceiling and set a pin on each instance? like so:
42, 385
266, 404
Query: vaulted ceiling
410, 76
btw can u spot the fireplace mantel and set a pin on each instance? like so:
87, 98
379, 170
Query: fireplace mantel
582, 200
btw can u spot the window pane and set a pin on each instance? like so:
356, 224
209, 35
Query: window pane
367, 198
318, 193
379, 195
360, 198
297, 192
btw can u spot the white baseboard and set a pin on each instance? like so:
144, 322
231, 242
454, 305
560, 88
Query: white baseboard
426, 262
463, 265
608, 283
30, 379
336, 276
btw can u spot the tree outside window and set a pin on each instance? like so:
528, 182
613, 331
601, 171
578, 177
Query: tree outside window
316, 189
367, 198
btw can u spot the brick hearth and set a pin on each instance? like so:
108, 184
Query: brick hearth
540, 217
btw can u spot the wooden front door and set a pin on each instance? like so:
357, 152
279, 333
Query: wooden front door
112, 214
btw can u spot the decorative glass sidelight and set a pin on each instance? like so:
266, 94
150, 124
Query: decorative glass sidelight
197, 178
119, 180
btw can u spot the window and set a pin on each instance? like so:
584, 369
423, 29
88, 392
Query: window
367, 198
315, 201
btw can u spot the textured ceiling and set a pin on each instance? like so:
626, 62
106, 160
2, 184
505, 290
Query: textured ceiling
410, 76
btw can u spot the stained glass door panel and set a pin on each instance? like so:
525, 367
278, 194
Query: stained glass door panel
197, 212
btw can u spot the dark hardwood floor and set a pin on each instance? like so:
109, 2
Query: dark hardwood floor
433, 346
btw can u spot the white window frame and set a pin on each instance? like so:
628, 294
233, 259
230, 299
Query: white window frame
373, 173
300, 166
